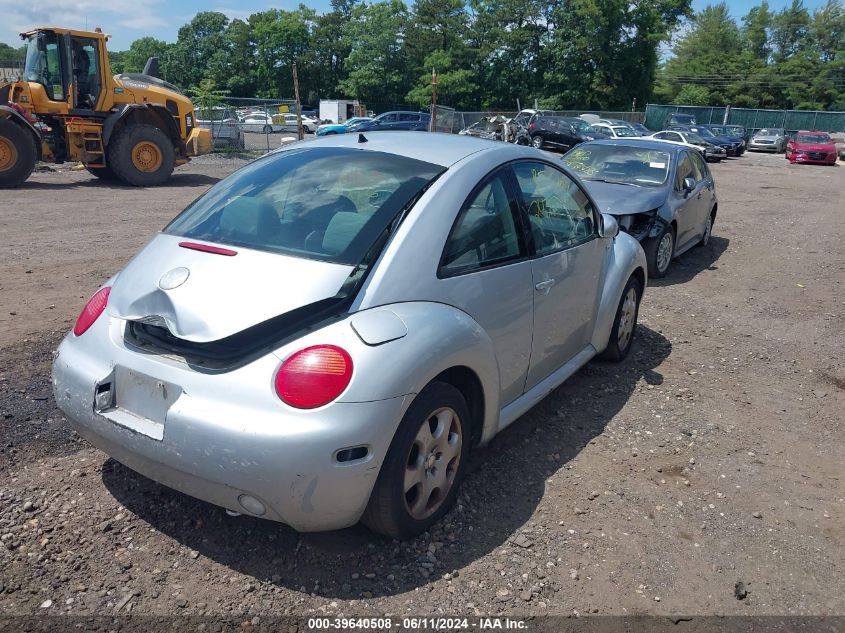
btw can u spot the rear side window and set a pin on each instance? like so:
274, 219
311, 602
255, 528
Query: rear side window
486, 232
330, 204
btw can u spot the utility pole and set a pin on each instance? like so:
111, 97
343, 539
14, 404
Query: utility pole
634, 105
433, 101
299, 133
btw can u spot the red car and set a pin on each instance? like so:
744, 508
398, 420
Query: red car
811, 147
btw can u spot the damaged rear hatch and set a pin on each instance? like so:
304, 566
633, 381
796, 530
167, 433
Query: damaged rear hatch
278, 246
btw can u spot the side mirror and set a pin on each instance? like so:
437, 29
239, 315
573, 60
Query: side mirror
608, 227
689, 184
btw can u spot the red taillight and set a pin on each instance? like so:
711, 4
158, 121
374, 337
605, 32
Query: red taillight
314, 376
92, 310
530, 126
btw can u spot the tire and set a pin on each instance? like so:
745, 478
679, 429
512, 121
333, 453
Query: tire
18, 154
654, 254
625, 322
394, 510
103, 173
142, 155
268, 129
708, 230
537, 142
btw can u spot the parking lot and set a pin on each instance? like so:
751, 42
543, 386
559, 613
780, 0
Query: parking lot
712, 456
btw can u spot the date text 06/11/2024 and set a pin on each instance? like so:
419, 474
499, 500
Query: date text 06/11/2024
409, 624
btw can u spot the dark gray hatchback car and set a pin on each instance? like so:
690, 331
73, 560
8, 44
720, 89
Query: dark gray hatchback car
661, 193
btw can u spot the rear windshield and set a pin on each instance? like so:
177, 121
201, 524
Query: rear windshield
813, 138
325, 203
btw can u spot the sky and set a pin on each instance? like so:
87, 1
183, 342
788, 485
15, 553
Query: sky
128, 20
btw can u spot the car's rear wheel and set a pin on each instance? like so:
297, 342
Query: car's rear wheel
268, 129
659, 251
622, 334
422, 471
708, 229
537, 142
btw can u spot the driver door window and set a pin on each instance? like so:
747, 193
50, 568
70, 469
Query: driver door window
486, 232
560, 213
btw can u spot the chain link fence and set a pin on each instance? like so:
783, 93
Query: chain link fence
252, 125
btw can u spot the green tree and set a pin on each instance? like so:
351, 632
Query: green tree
604, 53
455, 87
757, 29
282, 38
197, 44
141, 50
791, 29
377, 60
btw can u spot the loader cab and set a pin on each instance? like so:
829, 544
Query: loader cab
69, 66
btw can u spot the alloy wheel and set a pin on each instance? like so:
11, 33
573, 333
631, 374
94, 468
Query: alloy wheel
627, 319
664, 251
432, 463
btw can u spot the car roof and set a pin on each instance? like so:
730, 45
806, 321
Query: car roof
813, 132
430, 147
638, 143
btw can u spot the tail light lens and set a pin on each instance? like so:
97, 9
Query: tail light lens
92, 310
531, 126
314, 376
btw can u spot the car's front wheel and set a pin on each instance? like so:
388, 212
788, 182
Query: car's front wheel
659, 251
422, 471
622, 334
537, 142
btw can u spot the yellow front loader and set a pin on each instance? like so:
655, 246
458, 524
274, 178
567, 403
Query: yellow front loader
134, 128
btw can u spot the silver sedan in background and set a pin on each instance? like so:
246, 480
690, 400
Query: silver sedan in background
770, 139
325, 334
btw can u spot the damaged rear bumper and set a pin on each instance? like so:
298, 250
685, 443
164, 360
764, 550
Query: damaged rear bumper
219, 448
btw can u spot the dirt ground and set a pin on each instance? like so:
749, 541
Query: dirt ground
712, 456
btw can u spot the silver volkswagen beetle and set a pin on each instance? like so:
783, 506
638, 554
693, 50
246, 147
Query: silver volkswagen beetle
324, 335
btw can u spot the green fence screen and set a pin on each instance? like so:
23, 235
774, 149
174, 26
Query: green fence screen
791, 120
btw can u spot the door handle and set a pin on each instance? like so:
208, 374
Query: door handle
544, 286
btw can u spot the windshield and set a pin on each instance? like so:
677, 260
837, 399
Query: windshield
735, 131
325, 203
42, 64
704, 132
770, 131
718, 130
694, 138
617, 163
814, 138
580, 125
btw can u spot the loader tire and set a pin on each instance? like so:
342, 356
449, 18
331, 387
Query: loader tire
142, 156
103, 173
18, 154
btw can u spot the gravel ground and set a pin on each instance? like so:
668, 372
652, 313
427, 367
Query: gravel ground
706, 468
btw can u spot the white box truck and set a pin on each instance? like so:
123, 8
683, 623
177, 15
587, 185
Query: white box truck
338, 110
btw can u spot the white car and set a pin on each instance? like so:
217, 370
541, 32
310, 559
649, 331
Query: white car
615, 131
260, 122
289, 123
710, 151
